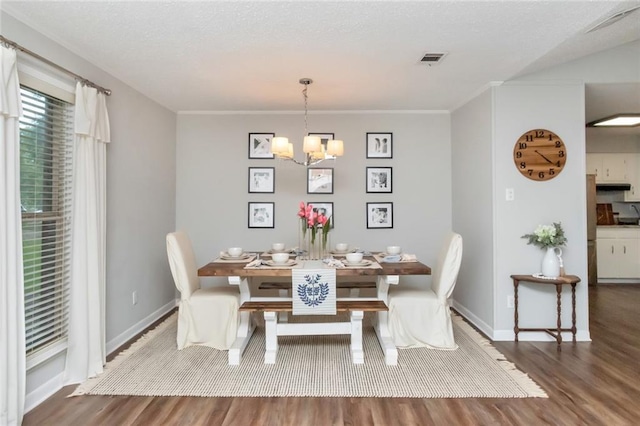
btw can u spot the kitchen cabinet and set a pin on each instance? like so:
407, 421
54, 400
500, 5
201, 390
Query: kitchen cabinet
608, 168
633, 176
618, 252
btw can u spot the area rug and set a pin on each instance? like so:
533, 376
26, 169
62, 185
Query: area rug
312, 366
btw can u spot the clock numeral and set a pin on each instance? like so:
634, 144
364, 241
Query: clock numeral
530, 171
523, 165
558, 163
552, 172
541, 175
560, 154
558, 144
518, 154
539, 134
550, 136
523, 145
528, 138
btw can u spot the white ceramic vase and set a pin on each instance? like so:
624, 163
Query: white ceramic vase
551, 263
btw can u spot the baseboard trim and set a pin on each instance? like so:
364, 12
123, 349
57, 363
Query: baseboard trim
138, 327
473, 319
539, 336
43, 392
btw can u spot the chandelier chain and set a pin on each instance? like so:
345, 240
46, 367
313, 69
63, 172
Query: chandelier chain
304, 93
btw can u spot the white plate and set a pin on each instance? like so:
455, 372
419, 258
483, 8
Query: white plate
227, 256
289, 262
339, 253
383, 254
279, 251
365, 262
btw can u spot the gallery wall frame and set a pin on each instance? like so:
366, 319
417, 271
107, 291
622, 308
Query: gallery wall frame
325, 208
379, 179
324, 140
380, 145
320, 180
262, 180
260, 145
379, 215
261, 214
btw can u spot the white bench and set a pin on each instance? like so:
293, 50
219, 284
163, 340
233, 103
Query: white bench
273, 329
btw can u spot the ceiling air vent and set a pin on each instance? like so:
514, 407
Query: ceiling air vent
432, 58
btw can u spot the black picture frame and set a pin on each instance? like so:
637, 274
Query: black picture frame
328, 209
261, 214
260, 146
379, 215
324, 140
379, 145
320, 180
379, 179
262, 180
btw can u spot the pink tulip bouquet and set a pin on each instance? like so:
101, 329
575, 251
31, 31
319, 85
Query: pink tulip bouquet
311, 219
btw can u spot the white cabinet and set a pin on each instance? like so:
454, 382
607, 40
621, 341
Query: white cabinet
633, 176
618, 252
608, 167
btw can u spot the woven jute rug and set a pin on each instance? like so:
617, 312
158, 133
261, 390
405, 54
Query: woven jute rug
312, 366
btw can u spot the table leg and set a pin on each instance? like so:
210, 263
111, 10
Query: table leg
573, 311
380, 325
246, 326
271, 337
515, 306
559, 332
357, 354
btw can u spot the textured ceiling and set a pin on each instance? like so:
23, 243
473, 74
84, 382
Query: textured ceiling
362, 55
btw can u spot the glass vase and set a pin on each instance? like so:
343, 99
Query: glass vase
302, 239
314, 249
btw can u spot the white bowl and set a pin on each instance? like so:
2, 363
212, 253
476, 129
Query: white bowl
342, 247
234, 251
354, 257
280, 257
277, 247
394, 249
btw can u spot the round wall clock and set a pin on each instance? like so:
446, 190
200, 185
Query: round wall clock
539, 154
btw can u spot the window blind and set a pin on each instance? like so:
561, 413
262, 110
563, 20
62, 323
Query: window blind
46, 143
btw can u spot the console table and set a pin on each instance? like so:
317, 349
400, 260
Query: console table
572, 280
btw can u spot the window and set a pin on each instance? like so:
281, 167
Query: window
46, 143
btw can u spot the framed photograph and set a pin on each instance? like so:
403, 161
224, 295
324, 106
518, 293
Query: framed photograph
379, 145
262, 179
320, 181
379, 215
260, 145
379, 179
324, 140
324, 208
261, 215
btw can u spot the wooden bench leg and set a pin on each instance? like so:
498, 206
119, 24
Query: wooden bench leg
284, 316
357, 354
271, 337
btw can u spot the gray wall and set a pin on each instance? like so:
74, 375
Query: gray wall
212, 194
560, 109
473, 208
140, 199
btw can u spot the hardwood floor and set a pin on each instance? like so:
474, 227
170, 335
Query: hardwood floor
596, 383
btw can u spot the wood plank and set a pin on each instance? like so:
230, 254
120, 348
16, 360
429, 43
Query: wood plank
341, 306
345, 284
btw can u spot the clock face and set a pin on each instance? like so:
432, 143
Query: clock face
539, 154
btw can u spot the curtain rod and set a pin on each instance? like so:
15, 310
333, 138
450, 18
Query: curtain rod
82, 80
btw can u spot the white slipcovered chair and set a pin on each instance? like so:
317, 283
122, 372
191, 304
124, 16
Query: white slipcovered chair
422, 318
206, 316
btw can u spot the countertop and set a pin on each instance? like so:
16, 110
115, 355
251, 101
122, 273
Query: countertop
618, 226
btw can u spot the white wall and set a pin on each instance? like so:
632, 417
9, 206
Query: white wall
212, 174
473, 208
140, 203
519, 107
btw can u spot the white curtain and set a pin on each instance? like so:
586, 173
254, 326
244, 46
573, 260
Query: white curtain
86, 351
12, 346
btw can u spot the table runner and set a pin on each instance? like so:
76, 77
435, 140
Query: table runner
314, 291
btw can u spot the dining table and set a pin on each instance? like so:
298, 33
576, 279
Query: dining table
238, 274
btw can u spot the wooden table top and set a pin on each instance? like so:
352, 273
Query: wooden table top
213, 269
567, 279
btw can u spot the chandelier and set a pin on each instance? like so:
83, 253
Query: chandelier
315, 149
